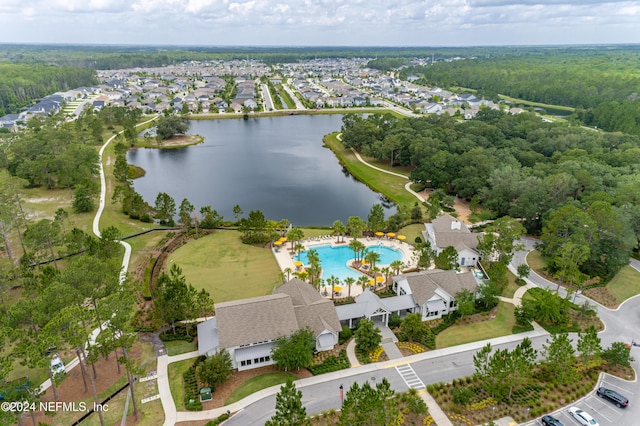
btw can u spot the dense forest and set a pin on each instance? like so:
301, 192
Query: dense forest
520, 166
603, 85
20, 84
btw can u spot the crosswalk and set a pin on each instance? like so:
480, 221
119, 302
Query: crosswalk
410, 377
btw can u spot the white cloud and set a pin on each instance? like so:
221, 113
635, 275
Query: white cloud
316, 22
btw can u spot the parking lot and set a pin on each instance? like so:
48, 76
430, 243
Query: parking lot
603, 411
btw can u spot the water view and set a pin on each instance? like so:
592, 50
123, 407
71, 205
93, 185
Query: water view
277, 165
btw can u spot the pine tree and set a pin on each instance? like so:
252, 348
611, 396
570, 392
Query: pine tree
289, 408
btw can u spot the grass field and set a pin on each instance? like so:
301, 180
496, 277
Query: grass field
535, 261
501, 325
511, 287
175, 371
177, 347
389, 185
625, 284
226, 268
412, 231
256, 384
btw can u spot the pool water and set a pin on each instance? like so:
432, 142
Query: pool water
333, 260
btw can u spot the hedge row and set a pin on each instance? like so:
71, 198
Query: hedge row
191, 396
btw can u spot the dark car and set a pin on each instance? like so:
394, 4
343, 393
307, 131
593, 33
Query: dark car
613, 397
551, 421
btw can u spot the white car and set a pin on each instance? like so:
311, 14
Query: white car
581, 417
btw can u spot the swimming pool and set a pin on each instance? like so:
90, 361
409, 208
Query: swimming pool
333, 260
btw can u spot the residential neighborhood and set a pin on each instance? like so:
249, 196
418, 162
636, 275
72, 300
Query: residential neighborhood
197, 87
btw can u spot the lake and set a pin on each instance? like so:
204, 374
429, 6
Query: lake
274, 164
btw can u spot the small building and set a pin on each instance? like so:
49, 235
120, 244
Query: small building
445, 231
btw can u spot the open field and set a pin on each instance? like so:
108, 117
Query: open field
501, 325
226, 268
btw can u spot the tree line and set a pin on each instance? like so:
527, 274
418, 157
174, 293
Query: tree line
519, 166
602, 85
20, 84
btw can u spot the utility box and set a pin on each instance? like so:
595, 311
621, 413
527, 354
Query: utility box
205, 394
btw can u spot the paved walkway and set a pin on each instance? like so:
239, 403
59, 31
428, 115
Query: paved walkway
439, 417
389, 342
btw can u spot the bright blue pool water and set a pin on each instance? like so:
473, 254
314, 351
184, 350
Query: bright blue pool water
333, 260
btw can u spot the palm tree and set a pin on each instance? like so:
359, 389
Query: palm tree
332, 281
288, 271
397, 266
363, 280
349, 281
372, 257
297, 249
357, 247
386, 271
296, 234
340, 229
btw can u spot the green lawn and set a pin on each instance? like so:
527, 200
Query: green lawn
501, 325
389, 185
412, 231
175, 371
226, 268
625, 284
535, 261
177, 347
511, 287
257, 383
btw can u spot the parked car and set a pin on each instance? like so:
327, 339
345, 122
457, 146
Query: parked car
551, 421
581, 417
613, 396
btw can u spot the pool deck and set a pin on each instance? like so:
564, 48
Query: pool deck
285, 257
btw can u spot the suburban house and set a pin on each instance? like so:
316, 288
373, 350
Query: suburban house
431, 293
434, 291
247, 328
445, 231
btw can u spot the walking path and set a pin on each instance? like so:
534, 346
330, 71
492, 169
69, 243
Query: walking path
96, 230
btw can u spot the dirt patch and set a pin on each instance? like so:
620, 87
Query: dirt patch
461, 206
603, 296
181, 140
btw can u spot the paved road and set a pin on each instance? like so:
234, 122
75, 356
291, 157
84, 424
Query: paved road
445, 365
266, 95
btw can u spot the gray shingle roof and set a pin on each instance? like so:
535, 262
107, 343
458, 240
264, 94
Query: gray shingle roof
255, 320
459, 238
311, 309
424, 284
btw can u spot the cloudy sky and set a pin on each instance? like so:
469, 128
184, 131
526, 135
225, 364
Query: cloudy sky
320, 22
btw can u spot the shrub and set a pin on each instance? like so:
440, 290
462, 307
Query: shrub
461, 395
221, 418
394, 321
344, 335
332, 363
191, 397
